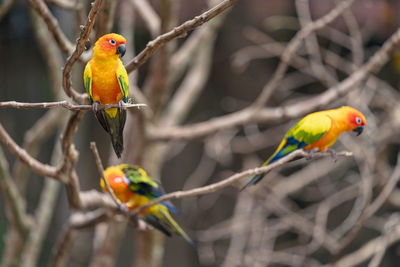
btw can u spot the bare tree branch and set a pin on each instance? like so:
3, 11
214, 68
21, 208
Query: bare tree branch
80, 47
63, 104
295, 110
14, 199
178, 32
32, 163
100, 168
41, 8
369, 249
231, 180
149, 16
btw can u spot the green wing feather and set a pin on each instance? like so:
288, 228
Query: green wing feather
87, 78
306, 132
123, 80
311, 128
140, 182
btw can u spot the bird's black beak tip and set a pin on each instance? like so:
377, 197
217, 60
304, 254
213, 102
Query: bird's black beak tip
121, 49
358, 130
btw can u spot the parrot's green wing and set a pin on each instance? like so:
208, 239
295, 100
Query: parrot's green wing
163, 221
141, 183
123, 81
87, 79
306, 132
310, 129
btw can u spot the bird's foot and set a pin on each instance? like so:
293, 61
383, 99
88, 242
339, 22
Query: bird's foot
95, 106
310, 154
333, 154
121, 104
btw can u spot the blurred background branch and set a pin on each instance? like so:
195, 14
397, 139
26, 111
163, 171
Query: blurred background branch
221, 81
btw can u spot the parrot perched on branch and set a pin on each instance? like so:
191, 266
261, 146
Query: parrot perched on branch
132, 186
316, 130
106, 82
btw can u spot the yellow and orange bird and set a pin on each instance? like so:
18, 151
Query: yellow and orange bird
106, 82
316, 130
132, 186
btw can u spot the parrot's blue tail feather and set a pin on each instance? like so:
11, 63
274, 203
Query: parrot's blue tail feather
253, 180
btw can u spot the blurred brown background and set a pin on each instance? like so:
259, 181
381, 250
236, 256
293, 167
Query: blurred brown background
302, 214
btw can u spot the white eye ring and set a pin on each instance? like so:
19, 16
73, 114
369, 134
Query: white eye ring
112, 42
358, 120
118, 180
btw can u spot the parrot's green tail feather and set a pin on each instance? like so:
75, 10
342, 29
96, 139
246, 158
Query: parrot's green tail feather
114, 126
175, 227
155, 222
163, 222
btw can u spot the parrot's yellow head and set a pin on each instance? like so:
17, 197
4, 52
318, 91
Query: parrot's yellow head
110, 45
355, 119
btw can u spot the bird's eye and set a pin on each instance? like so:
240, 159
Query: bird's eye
112, 42
118, 180
358, 120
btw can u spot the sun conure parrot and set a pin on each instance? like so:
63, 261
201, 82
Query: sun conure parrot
316, 130
106, 82
132, 186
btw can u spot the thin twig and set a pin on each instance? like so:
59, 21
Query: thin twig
232, 179
100, 168
292, 47
287, 112
150, 17
52, 24
63, 104
369, 249
80, 47
35, 165
13, 199
177, 32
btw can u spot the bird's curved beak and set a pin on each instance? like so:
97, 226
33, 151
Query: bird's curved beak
121, 49
358, 130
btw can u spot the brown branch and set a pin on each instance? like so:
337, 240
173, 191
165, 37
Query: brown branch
95, 199
100, 168
292, 48
13, 199
70, 130
63, 104
372, 208
89, 219
232, 179
35, 165
177, 32
43, 216
268, 115
66, 170
52, 24
63, 246
149, 16
105, 19
370, 248
80, 47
